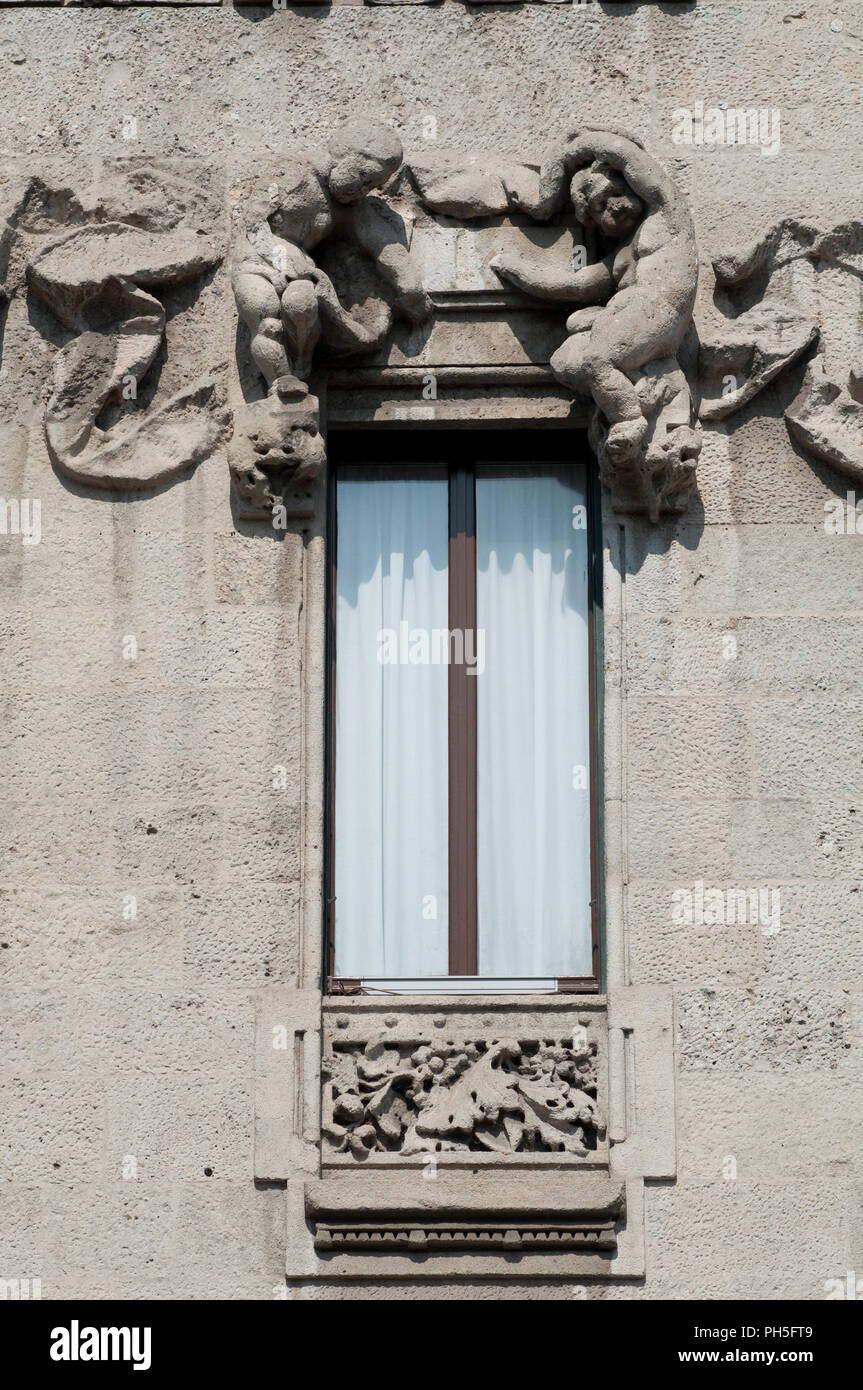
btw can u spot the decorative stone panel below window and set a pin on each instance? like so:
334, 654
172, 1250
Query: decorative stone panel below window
460, 1136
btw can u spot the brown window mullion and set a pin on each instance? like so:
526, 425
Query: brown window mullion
463, 955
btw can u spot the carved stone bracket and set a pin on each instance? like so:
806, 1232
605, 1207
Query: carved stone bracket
277, 453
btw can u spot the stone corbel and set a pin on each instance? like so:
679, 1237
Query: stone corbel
277, 453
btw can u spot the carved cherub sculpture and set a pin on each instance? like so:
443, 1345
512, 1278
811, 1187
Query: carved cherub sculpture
622, 348
288, 302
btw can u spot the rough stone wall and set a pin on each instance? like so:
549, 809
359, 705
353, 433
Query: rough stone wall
132, 1036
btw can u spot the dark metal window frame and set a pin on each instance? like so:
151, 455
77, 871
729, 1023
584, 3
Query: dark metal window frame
461, 452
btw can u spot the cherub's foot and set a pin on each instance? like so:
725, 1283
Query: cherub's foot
288, 387
625, 438
583, 319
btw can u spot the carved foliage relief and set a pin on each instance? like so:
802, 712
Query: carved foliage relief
500, 1096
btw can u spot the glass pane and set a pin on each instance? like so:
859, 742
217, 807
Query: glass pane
391, 875
532, 722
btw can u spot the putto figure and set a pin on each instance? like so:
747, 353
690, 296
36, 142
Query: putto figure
622, 348
324, 203
285, 299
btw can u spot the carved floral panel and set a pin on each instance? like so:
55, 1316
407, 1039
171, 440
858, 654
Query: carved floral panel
481, 1095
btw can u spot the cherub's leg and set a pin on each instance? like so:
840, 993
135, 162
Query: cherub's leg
302, 324
587, 364
567, 362
258, 307
583, 364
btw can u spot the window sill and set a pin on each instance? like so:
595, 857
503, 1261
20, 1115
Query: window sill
468, 985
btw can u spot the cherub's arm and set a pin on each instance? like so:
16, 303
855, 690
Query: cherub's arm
580, 148
547, 194
644, 176
342, 329
381, 233
595, 283
548, 279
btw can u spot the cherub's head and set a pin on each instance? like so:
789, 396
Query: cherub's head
365, 154
602, 198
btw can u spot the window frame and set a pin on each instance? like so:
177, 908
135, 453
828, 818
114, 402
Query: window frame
461, 452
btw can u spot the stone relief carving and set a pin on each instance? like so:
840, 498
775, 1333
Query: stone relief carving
636, 303
324, 265
480, 1095
640, 319
100, 259
636, 306
290, 301
817, 273
94, 279
827, 419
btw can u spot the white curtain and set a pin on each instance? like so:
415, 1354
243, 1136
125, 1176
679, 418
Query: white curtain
533, 728
391, 862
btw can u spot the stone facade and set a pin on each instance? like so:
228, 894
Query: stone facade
210, 254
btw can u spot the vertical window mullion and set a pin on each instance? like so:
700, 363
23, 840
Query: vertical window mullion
463, 955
